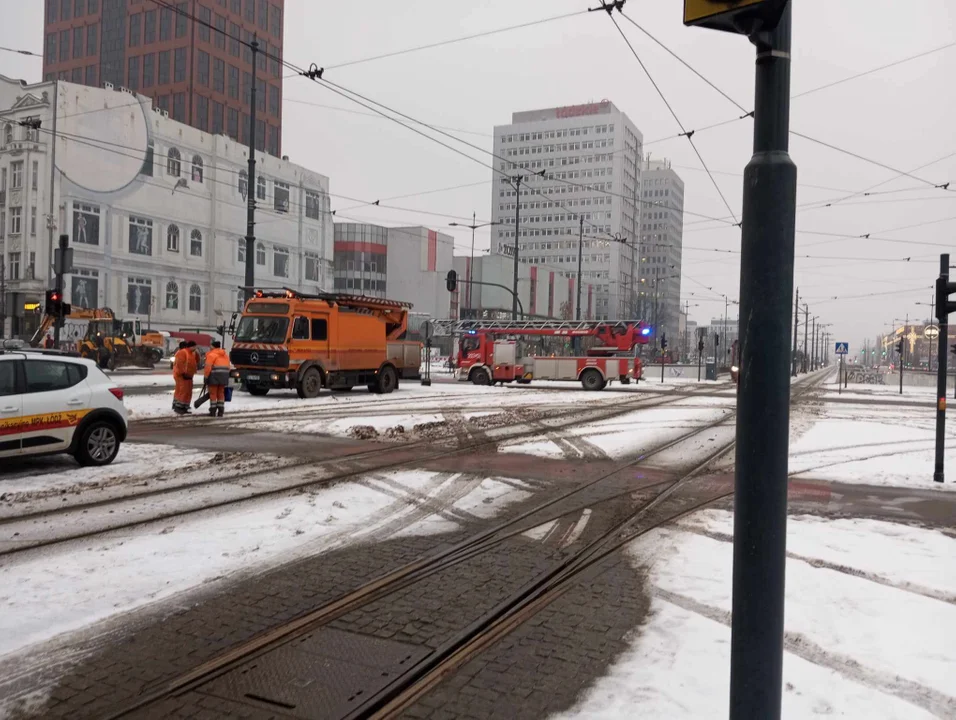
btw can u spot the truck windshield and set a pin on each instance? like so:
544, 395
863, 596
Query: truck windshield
261, 328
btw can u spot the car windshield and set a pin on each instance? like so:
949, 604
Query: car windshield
262, 328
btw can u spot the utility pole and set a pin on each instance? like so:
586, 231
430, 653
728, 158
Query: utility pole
62, 262
51, 219
251, 190
577, 315
813, 346
806, 328
943, 307
3, 295
726, 341
700, 350
514, 302
763, 392
796, 323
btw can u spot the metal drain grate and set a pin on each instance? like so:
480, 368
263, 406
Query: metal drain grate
322, 675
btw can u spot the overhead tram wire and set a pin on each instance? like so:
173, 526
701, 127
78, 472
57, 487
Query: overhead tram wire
377, 117
28, 53
688, 135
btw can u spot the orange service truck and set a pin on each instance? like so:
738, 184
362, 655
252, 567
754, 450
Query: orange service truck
286, 339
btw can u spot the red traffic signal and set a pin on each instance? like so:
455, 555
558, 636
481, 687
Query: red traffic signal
54, 302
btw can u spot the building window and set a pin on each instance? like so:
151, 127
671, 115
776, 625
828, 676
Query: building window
132, 77
241, 255
275, 25
179, 107
218, 71
217, 118
273, 146
140, 236
260, 254
205, 20
312, 267
274, 101
243, 183
173, 162
232, 129
181, 11
35, 171
86, 224
261, 98
312, 205
147, 168
139, 295
134, 29
179, 65
16, 171
281, 197
202, 68
264, 15
33, 220
77, 43
64, 45
202, 121
165, 24
172, 295
250, 10
233, 39
240, 300
93, 7
14, 266
51, 11
16, 220
76, 75
234, 82
280, 262
66, 9
51, 48
172, 238
164, 67
220, 38
261, 135
7, 134
246, 87
195, 243
149, 70
149, 27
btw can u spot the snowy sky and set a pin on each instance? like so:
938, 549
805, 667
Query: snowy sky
902, 117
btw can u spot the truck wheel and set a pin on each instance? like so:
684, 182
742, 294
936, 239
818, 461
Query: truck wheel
310, 384
257, 390
387, 380
592, 380
480, 376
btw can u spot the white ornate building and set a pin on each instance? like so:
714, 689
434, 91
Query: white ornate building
155, 210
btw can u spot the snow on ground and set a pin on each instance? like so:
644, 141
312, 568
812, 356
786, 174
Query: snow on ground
856, 647
886, 393
57, 591
142, 378
873, 444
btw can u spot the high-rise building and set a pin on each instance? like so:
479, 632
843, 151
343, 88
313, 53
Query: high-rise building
662, 231
198, 72
591, 158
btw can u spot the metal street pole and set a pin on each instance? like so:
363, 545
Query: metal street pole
61, 265
51, 220
700, 350
514, 302
813, 345
763, 397
471, 262
3, 298
577, 315
251, 189
806, 328
943, 316
796, 323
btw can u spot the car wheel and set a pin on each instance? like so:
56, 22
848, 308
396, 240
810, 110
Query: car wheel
592, 380
387, 380
98, 445
310, 384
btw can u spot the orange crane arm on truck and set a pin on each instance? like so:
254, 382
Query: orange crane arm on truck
76, 313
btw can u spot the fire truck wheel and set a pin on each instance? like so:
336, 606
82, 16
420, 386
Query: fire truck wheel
387, 380
480, 376
592, 380
310, 384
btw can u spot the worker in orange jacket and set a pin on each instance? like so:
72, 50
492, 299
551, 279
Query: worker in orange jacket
184, 367
217, 378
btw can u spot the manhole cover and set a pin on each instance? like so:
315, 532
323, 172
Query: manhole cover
325, 674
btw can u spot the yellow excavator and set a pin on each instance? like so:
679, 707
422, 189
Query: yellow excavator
110, 342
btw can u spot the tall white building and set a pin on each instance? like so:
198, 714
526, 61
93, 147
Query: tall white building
662, 232
155, 210
591, 156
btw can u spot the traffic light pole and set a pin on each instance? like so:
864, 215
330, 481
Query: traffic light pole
902, 357
251, 188
763, 398
942, 314
60, 267
514, 304
796, 324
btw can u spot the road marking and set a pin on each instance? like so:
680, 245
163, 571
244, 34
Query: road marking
578, 528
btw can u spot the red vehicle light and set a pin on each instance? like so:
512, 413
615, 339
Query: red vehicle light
117, 393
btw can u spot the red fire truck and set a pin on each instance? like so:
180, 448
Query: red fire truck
487, 351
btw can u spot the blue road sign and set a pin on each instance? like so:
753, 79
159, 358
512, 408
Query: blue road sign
842, 348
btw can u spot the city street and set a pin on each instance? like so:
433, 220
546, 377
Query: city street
462, 551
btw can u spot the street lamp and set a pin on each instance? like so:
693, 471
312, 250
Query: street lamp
471, 265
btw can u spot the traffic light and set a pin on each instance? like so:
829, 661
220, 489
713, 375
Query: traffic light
663, 341
899, 347
54, 303
716, 339
700, 346
451, 281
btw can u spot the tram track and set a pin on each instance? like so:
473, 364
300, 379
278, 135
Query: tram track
672, 502
397, 457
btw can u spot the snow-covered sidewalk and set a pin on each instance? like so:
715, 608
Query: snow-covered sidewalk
870, 617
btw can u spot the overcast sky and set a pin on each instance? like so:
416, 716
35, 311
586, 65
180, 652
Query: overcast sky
903, 117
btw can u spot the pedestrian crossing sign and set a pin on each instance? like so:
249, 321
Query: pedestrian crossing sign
842, 348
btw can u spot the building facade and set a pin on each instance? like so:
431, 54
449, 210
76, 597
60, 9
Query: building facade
662, 232
198, 72
591, 159
544, 292
155, 210
408, 264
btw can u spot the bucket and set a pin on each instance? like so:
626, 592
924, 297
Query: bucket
228, 390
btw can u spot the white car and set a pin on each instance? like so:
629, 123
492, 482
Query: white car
54, 403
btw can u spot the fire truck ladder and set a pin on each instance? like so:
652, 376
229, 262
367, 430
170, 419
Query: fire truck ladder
444, 328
